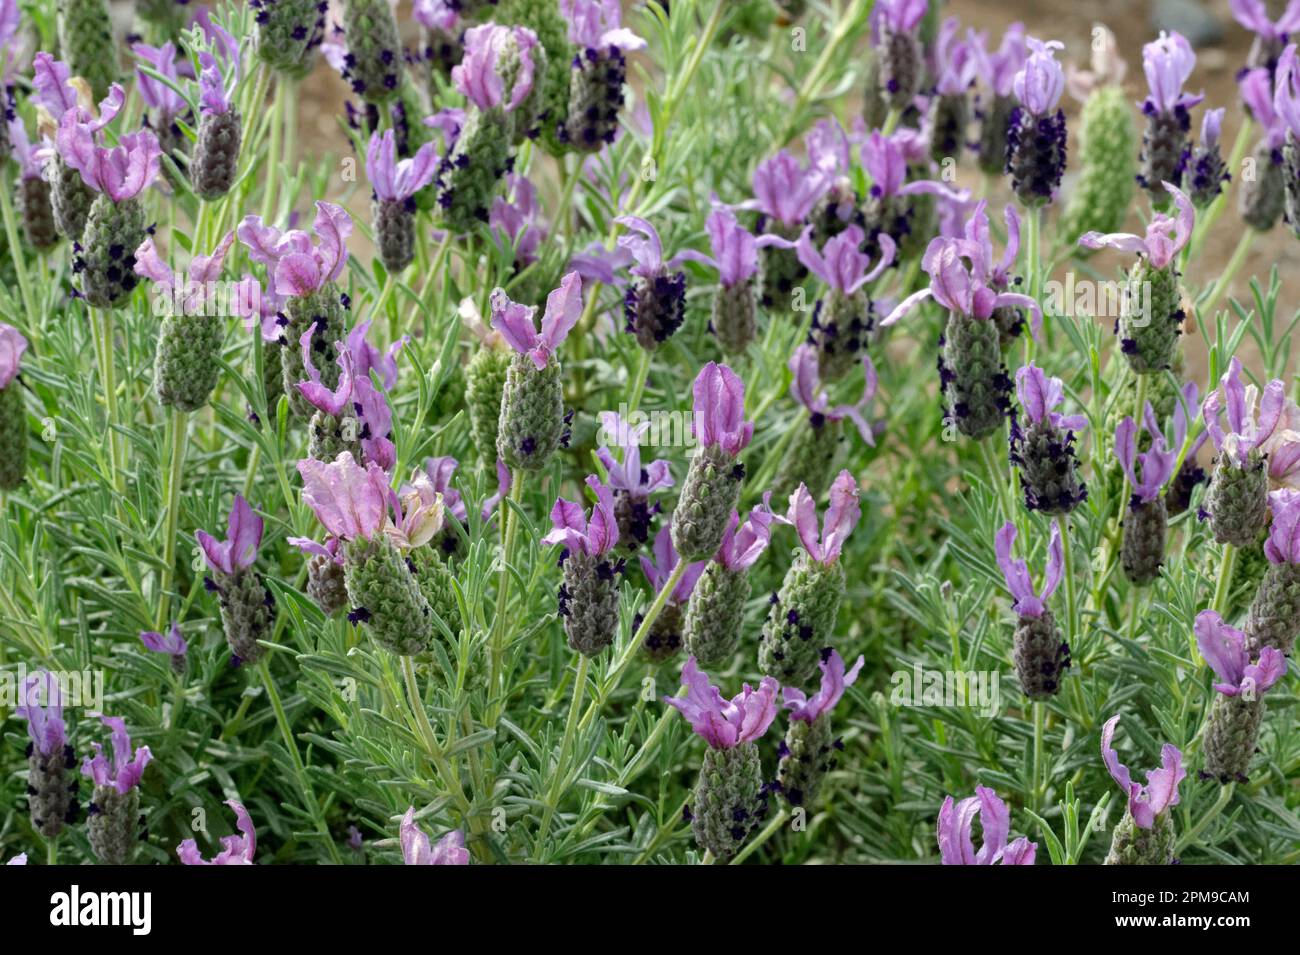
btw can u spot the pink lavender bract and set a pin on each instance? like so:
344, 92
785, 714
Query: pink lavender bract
954, 832
243, 538
350, 501
834, 682
12, 346
235, 850
417, 850
1165, 236
725, 724
842, 515
1027, 603
720, 409
1160, 792
1224, 649
124, 770
571, 528
515, 321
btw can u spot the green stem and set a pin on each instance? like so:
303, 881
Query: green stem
561, 764
1067, 569
309, 797
1033, 267
52, 851
16, 253
1223, 585
497, 643
102, 322
1037, 792
272, 174
1229, 273
425, 729
174, 477
638, 383
844, 29
996, 479
1225, 796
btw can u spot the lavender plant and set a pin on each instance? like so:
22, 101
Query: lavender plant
417, 640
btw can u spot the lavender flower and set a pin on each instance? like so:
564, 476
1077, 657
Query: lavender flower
824, 544
515, 221
665, 637
1043, 447
1237, 502
655, 303
1270, 35
893, 203
171, 643
898, 49
954, 832
949, 109
1026, 601
1207, 172
235, 850
1231, 733
599, 72
843, 321
246, 603
417, 849
1262, 197
500, 70
161, 98
721, 723
997, 74
589, 595
631, 482
1036, 136
1143, 548
1151, 312
114, 812
1286, 102
712, 487
834, 682
122, 172
1168, 63
715, 615
1146, 833
393, 186
51, 799
785, 192
13, 418
1040, 652
1224, 649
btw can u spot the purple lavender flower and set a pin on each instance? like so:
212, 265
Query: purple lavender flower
1270, 35
1157, 463
1039, 395
1036, 137
597, 24
20, 859
655, 303
1026, 602
842, 515
235, 850
366, 356
394, 180
743, 544
1272, 107
997, 74
170, 643
660, 568
599, 72
1168, 63
184, 295
954, 832
218, 78
631, 481
1165, 236
12, 346
1224, 649
1042, 445
735, 248
417, 849
243, 538
45, 724
834, 682
1145, 803
894, 29
515, 321
785, 190
719, 413
479, 74
350, 501
1248, 431
840, 264
808, 391
1207, 172
963, 289
124, 770
725, 724
122, 172
300, 267
440, 471
572, 529
157, 95
955, 68
1283, 544
514, 220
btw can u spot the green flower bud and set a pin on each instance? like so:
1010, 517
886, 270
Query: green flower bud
1132, 845
589, 602
187, 361
532, 414
375, 67
1237, 501
976, 386
808, 755
802, 621
1151, 318
1143, 548
1274, 617
106, 265
715, 616
485, 383
1230, 735
70, 200
386, 597
13, 436
1107, 143
728, 799
709, 495
86, 43
114, 826
470, 174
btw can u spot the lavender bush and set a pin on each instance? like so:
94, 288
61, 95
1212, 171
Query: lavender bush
390, 498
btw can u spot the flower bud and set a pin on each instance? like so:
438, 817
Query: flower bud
70, 200
247, 612
532, 421
289, 34
1107, 142
1237, 501
807, 755
86, 43
325, 584
1151, 318
394, 232
1041, 655
324, 310
1133, 845
715, 615
13, 436
1262, 197
485, 382
975, 382
595, 99
734, 321
106, 260
589, 602
216, 154
1142, 550
801, 621
1036, 155
374, 57
468, 177
709, 495
1230, 735
385, 596
32, 200
1274, 616
994, 123
187, 360
113, 824
729, 799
